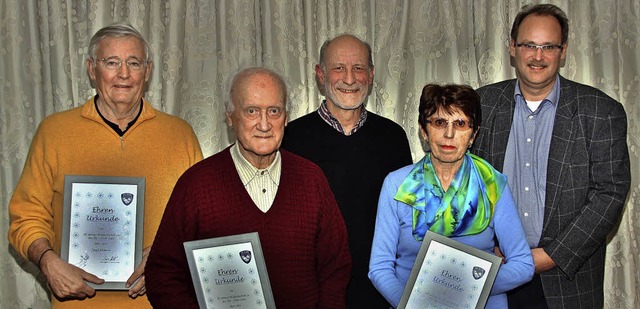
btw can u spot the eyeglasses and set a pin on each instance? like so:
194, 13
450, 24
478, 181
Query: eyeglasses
254, 113
443, 124
134, 64
533, 47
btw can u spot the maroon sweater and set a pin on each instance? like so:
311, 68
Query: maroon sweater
303, 235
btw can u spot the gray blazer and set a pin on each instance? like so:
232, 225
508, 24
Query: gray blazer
588, 178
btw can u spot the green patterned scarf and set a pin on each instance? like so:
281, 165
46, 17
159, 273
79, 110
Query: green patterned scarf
467, 206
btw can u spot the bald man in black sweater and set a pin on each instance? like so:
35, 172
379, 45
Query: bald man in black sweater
355, 148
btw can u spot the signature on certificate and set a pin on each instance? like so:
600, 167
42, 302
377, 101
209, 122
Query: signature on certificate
110, 259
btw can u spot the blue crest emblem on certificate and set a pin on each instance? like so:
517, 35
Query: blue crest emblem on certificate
127, 198
245, 255
478, 272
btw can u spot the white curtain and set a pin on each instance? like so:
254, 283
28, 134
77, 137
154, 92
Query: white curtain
198, 44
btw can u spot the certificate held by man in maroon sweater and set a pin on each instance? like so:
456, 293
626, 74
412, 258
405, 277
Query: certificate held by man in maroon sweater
229, 272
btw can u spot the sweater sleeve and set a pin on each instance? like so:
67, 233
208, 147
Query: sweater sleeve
168, 279
518, 267
31, 206
332, 251
193, 145
385, 246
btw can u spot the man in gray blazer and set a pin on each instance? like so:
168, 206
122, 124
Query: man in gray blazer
563, 148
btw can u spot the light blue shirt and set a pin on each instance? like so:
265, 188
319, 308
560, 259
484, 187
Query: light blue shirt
526, 158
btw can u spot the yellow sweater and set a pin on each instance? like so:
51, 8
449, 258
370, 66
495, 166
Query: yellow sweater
159, 147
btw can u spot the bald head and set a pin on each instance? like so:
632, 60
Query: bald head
240, 84
344, 39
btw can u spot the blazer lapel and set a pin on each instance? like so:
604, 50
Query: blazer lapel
502, 125
497, 115
560, 149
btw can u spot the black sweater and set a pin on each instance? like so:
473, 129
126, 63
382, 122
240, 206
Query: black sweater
355, 167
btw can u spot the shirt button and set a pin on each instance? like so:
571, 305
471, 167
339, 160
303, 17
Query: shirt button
526, 189
264, 190
527, 164
262, 173
526, 214
530, 117
528, 140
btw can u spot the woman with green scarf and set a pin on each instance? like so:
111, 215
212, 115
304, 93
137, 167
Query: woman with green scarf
450, 192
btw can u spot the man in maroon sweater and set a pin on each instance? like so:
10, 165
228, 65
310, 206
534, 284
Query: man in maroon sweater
252, 186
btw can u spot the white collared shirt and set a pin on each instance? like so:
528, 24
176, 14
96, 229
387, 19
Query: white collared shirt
261, 184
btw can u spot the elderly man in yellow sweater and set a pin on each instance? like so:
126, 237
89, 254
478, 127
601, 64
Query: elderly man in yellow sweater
115, 133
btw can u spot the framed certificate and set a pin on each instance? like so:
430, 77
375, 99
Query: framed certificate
229, 272
102, 226
449, 274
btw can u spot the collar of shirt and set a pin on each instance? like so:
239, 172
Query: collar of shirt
325, 114
248, 172
114, 126
553, 97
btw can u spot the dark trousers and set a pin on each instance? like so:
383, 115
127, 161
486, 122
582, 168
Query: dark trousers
529, 295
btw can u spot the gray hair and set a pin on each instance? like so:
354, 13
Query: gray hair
117, 30
328, 42
238, 79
